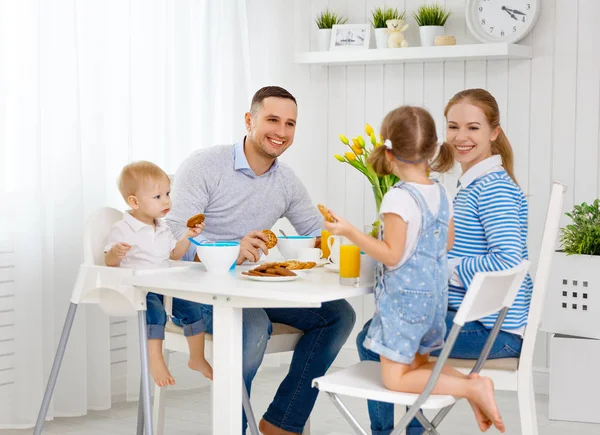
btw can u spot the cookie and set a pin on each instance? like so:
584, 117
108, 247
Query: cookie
299, 265
195, 220
272, 239
325, 213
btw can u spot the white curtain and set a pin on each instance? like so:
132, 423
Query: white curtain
85, 87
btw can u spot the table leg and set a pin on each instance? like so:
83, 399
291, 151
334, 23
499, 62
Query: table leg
227, 367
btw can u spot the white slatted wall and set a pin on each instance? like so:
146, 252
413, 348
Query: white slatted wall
549, 106
7, 327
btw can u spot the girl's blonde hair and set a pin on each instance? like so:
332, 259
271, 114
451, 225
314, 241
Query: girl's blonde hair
488, 105
411, 130
136, 173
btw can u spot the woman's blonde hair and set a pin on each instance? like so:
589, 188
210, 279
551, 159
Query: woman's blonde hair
488, 105
136, 173
411, 130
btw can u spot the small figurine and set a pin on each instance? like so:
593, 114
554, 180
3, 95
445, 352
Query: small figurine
395, 29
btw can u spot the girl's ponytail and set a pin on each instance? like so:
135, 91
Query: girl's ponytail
378, 160
501, 146
444, 161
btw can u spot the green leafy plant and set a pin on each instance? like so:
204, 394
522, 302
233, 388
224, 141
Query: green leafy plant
327, 19
431, 15
582, 237
381, 15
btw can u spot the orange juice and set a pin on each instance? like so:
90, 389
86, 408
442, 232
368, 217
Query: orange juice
324, 246
349, 261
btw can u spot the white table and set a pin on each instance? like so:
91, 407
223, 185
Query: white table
229, 294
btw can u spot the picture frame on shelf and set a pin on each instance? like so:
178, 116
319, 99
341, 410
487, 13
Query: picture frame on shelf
350, 37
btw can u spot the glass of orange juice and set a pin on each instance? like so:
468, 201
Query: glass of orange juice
349, 262
324, 246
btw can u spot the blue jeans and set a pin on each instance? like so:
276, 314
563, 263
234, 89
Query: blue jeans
468, 345
326, 329
189, 315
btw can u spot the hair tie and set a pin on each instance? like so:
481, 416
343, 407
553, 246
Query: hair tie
388, 144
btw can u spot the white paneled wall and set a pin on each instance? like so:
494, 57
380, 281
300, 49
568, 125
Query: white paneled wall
7, 324
549, 108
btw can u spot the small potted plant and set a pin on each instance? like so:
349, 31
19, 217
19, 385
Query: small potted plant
379, 19
575, 276
325, 21
431, 20
582, 237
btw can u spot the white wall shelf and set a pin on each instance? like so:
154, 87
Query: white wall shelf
415, 54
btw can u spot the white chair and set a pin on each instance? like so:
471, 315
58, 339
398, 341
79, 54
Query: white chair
283, 339
488, 293
516, 374
99, 284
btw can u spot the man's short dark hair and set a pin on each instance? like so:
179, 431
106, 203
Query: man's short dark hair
267, 92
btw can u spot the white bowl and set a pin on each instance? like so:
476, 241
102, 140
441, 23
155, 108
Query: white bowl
218, 257
289, 246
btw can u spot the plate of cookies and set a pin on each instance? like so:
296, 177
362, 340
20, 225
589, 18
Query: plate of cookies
278, 272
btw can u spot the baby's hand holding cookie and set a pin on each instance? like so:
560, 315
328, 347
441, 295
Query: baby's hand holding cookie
195, 231
195, 220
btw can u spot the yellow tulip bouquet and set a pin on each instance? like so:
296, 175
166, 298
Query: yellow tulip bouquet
357, 158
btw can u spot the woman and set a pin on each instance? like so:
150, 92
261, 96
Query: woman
490, 219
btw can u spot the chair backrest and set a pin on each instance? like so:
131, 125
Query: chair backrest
540, 284
489, 292
97, 230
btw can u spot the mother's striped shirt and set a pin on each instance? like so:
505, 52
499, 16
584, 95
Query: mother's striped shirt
490, 221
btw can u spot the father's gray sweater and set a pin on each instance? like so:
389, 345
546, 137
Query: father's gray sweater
218, 182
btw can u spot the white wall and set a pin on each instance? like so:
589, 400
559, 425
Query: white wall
549, 105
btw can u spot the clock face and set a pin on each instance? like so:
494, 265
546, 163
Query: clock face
501, 20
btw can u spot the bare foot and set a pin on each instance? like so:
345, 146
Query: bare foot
482, 420
483, 397
202, 366
159, 371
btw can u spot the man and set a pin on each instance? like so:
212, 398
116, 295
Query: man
243, 189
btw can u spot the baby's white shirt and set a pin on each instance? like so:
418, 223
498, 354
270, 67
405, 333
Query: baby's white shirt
400, 202
150, 247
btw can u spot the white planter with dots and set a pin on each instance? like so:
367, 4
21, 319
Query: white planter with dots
572, 304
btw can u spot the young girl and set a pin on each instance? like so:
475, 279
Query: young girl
143, 240
411, 293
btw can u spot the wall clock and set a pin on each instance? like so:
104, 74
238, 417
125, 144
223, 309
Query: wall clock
501, 20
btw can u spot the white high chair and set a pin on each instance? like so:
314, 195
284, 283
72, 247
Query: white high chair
516, 374
99, 284
489, 293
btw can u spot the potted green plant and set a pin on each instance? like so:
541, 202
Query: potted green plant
571, 302
582, 237
379, 18
325, 21
431, 20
